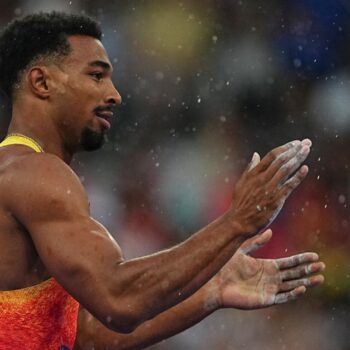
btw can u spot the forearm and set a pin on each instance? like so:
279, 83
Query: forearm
128, 293
155, 283
93, 335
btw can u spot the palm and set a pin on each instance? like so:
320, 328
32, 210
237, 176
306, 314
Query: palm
253, 283
249, 283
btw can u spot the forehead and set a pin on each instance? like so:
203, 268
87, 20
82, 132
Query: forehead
86, 49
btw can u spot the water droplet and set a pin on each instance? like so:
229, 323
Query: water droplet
341, 199
297, 62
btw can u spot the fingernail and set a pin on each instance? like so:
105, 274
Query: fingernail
255, 156
307, 142
315, 256
304, 170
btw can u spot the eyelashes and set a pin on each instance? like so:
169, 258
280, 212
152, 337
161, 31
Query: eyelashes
97, 75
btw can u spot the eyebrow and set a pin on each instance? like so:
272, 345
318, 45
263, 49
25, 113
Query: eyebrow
102, 64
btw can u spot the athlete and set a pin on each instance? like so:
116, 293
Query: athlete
56, 260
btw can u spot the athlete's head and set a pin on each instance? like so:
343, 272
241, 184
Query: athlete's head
58, 63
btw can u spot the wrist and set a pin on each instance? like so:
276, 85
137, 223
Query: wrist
211, 296
240, 230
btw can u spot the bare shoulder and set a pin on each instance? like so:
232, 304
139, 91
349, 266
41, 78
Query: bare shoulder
43, 164
42, 180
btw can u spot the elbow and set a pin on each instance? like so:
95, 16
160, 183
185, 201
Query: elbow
123, 321
123, 325
125, 311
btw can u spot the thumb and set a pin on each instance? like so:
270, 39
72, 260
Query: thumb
254, 162
256, 242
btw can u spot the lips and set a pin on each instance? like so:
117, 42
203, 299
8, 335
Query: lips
105, 118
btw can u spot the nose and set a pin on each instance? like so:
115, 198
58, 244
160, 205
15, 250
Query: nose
113, 96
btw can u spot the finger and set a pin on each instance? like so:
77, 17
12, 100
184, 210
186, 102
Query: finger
288, 296
256, 242
288, 168
254, 162
306, 142
290, 160
302, 270
316, 280
290, 185
295, 260
274, 154
282, 159
307, 282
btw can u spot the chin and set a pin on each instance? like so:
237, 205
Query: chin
92, 140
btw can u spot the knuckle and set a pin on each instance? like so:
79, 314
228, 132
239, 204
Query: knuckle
299, 176
296, 260
273, 154
284, 169
307, 269
291, 144
292, 184
259, 181
283, 156
306, 282
279, 161
287, 275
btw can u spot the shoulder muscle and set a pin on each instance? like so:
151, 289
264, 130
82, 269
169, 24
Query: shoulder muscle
42, 186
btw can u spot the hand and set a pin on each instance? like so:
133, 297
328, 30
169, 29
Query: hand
265, 185
249, 283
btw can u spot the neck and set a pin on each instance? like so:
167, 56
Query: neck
41, 129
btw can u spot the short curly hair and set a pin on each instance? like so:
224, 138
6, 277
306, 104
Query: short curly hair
38, 35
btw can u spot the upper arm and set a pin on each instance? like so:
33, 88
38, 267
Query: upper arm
47, 198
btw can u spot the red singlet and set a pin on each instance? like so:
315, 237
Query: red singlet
41, 317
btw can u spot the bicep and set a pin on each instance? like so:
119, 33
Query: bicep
75, 249
82, 257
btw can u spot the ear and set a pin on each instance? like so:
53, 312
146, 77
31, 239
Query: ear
39, 81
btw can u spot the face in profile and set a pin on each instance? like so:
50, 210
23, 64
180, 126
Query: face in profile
85, 95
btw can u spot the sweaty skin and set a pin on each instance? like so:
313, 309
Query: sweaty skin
45, 225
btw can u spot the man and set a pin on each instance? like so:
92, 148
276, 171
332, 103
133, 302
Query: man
55, 257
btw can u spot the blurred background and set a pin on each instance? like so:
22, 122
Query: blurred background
204, 85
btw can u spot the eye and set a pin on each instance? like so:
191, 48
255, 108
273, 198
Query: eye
97, 75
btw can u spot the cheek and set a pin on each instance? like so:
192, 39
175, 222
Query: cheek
78, 88
61, 90
77, 99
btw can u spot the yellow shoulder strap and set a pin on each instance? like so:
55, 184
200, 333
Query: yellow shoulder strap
17, 139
